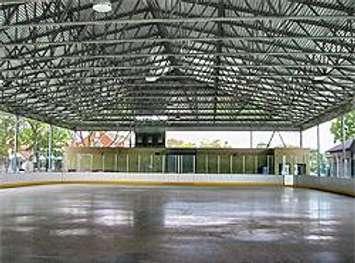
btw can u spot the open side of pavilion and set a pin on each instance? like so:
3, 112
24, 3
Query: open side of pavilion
148, 66
178, 65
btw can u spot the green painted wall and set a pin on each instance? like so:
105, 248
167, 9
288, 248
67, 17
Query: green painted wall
148, 160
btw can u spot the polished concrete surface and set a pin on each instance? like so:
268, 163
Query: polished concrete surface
83, 223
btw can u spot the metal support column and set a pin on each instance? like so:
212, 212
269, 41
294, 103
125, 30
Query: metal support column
251, 139
194, 163
218, 164
318, 151
178, 163
163, 163
130, 138
301, 139
78, 162
103, 162
231, 163
15, 164
127, 163
206, 163
243, 164
343, 139
50, 138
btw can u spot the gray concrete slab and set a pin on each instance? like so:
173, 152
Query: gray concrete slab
86, 223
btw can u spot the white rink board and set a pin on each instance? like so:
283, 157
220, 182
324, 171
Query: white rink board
141, 177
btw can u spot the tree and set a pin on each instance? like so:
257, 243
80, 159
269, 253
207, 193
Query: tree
213, 144
174, 143
33, 135
322, 162
7, 133
349, 128
204, 143
93, 138
60, 138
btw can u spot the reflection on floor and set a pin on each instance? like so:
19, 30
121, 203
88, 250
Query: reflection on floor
81, 223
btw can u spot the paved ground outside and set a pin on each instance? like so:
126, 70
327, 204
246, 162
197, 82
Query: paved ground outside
86, 223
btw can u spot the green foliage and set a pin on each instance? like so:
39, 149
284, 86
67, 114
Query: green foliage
60, 138
33, 135
7, 133
213, 144
349, 120
205, 143
174, 143
322, 162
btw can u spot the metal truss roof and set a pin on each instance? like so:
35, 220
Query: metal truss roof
180, 64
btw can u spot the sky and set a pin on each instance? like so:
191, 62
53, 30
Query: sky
242, 139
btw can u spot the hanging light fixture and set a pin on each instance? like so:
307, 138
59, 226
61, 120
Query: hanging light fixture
151, 78
102, 6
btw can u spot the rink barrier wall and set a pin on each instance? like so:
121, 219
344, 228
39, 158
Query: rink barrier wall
28, 179
329, 184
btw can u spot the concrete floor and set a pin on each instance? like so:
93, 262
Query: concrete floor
80, 223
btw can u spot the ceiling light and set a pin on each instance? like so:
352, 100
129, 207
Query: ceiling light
102, 6
321, 77
152, 117
151, 78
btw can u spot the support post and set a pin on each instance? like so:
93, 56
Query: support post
251, 139
218, 164
206, 163
194, 163
181, 164
318, 151
15, 165
343, 144
103, 162
231, 163
243, 164
50, 138
178, 163
163, 163
284, 161
130, 138
78, 161
301, 139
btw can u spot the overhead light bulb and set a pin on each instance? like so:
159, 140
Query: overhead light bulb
102, 6
151, 78
321, 77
